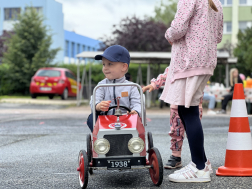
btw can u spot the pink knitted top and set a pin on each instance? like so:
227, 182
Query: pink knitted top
194, 32
160, 81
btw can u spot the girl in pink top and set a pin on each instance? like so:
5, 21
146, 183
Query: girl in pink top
194, 34
176, 125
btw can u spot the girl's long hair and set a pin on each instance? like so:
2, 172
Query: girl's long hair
212, 5
233, 80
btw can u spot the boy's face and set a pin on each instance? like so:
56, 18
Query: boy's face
113, 70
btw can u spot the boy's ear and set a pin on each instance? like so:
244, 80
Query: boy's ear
125, 67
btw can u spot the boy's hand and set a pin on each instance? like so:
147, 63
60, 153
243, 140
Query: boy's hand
132, 112
103, 106
148, 87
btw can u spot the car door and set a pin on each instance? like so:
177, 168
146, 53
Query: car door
73, 84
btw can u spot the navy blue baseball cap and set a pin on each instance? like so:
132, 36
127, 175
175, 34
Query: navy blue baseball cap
115, 53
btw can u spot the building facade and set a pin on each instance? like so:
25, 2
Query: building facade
75, 44
70, 43
237, 16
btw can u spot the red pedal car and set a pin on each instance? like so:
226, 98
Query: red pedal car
119, 142
54, 81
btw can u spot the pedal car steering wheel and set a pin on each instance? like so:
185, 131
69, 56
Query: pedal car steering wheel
112, 107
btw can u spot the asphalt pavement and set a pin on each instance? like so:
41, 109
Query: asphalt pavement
39, 149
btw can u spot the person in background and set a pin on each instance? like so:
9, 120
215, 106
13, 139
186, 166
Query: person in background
234, 78
211, 98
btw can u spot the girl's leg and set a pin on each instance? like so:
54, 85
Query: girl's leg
177, 133
194, 131
177, 136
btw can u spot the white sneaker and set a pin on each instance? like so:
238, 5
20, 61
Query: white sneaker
208, 164
211, 112
191, 174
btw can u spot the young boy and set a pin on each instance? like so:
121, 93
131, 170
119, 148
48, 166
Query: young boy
115, 60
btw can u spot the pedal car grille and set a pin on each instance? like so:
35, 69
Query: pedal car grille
118, 144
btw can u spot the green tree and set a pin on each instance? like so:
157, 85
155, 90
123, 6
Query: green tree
165, 11
28, 49
244, 48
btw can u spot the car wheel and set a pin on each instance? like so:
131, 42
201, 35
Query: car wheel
64, 95
83, 169
33, 95
51, 96
156, 169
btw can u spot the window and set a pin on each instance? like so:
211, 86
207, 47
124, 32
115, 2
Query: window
72, 49
88, 48
93, 49
244, 25
39, 10
243, 2
78, 48
66, 48
83, 47
227, 29
69, 75
226, 2
11, 13
229, 2
48, 73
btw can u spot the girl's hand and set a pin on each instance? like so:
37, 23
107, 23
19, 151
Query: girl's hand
132, 112
148, 87
103, 106
170, 43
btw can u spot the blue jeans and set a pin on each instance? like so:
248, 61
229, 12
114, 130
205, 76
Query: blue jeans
90, 121
211, 99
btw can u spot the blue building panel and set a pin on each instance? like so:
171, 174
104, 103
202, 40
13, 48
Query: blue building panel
75, 44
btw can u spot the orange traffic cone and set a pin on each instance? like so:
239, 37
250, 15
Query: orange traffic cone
238, 161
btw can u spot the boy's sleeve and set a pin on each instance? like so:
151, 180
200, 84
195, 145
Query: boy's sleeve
98, 98
220, 29
135, 101
179, 25
160, 81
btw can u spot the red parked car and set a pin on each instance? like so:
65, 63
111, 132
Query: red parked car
53, 81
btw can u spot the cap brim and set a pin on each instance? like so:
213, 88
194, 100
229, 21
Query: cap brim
99, 57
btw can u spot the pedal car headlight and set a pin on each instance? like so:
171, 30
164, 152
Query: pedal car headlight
101, 146
136, 145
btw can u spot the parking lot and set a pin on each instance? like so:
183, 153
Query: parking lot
39, 148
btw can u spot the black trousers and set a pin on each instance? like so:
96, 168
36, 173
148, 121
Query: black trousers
225, 101
195, 135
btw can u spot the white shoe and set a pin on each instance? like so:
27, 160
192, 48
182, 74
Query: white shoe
211, 112
191, 174
208, 164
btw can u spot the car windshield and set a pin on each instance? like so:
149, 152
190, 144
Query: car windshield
48, 73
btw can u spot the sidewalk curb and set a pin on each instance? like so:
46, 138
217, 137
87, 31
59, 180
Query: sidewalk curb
42, 101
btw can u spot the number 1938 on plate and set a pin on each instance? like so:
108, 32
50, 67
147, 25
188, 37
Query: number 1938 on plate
119, 164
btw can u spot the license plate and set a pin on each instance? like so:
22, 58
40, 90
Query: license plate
45, 88
119, 164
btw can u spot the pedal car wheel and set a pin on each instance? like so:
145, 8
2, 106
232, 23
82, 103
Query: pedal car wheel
83, 169
150, 141
156, 163
89, 151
